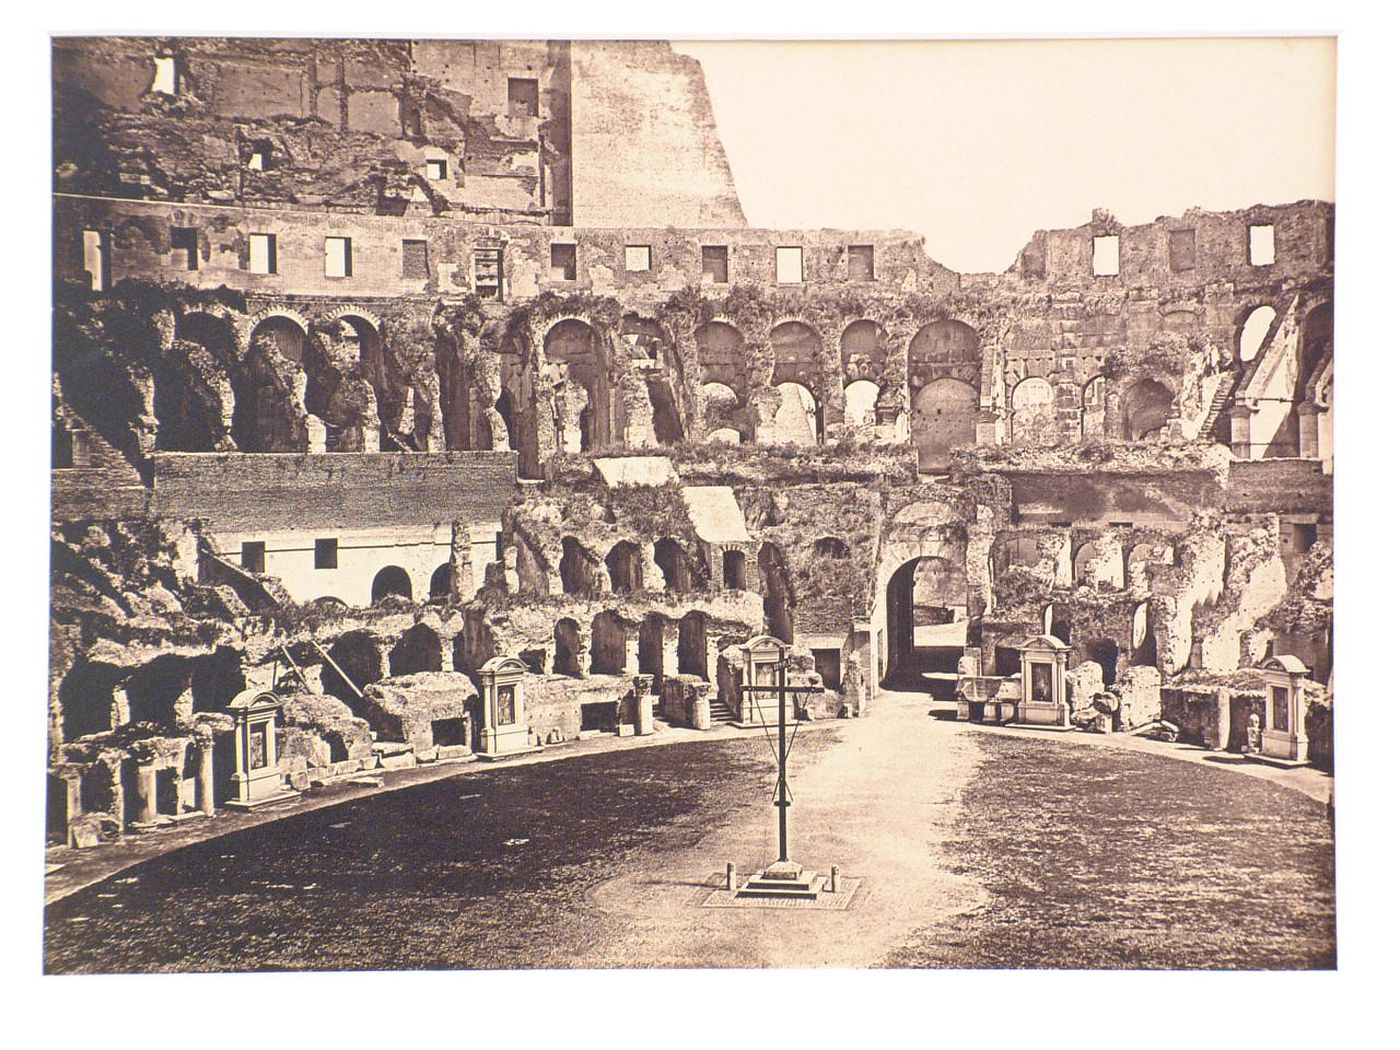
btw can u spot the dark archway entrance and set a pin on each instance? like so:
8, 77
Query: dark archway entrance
390, 580
925, 626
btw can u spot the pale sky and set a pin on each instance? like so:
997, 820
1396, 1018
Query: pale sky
976, 145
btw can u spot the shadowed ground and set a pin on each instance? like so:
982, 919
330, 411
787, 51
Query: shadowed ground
977, 849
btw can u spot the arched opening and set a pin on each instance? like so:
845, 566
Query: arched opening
1092, 405
862, 351
1146, 407
1104, 652
735, 571
1098, 565
357, 654
797, 375
674, 563
573, 351
624, 564
1144, 638
265, 413
440, 586
944, 418
420, 649
861, 397
1033, 412
719, 407
692, 650
651, 639
153, 691
505, 407
725, 436
1255, 331
608, 652
566, 649
777, 592
577, 571
926, 625
281, 335
832, 547
798, 419
216, 679
390, 580
720, 352
85, 696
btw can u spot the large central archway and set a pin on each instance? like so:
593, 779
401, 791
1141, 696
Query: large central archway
925, 625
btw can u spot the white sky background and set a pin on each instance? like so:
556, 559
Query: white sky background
978, 144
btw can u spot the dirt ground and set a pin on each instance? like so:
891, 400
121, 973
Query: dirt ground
974, 849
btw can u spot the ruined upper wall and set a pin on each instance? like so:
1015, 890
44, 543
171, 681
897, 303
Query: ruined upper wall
1180, 251
140, 246
378, 126
646, 151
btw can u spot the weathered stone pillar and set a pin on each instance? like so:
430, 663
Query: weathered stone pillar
644, 723
1241, 418
204, 782
121, 707
1307, 431
145, 793
630, 652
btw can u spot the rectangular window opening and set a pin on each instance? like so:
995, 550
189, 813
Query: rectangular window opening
788, 263
327, 554
338, 263
714, 263
638, 258
415, 260
184, 244
254, 556
487, 273
563, 262
861, 262
1261, 245
167, 78
96, 245
524, 96
1106, 256
1182, 250
437, 170
262, 253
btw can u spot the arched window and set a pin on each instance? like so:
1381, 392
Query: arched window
624, 564
1146, 408
832, 547
440, 586
390, 580
1033, 412
1255, 330
861, 397
577, 571
566, 649
735, 571
608, 652
419, 649
798, 420
674, 563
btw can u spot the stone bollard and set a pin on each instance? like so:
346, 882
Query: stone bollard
731, 877
835, 879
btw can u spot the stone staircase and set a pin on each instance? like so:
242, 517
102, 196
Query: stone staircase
720, 715
1223, 395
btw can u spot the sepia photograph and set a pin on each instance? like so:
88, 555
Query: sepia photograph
690, 504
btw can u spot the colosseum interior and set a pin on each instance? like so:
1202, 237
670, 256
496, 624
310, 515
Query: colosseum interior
378, 386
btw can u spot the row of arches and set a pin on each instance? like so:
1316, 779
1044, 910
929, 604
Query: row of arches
579, 573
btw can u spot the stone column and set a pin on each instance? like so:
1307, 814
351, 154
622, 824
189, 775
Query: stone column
644, 724
121, 707
145, 793
630, 652
1241, 427
1307, 431
204, 784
